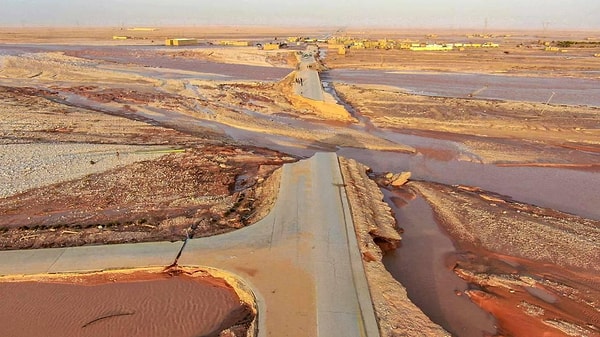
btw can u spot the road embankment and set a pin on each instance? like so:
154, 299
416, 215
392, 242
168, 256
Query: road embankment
375, 228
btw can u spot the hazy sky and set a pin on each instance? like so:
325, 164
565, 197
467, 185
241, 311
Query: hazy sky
554, 14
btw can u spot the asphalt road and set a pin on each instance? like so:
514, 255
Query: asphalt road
302, 260
308, 83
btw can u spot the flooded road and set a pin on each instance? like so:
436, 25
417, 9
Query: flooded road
570, 91
431, 284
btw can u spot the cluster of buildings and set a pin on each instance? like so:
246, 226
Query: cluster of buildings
264, 46
343, 43
194, 42
181, 42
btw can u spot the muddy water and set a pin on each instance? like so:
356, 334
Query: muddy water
162, 306
571, 91
420, 265
151, 57
571, 191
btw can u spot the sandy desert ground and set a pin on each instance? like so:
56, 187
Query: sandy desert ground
104, 142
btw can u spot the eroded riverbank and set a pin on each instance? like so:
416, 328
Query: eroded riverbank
534, 268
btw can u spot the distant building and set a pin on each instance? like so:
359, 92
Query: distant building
490, 45
432, 47
234, 43
181, 42
270, 46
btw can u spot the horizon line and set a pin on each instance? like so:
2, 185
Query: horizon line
299, 26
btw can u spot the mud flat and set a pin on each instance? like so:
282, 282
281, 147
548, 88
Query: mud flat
183, 194
148, 302
90, 174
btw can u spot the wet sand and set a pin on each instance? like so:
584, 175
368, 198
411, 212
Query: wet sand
121, 303
162, 62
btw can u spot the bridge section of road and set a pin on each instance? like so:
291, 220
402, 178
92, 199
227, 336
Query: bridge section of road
302, 260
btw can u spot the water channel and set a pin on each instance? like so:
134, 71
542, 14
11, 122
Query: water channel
437, 291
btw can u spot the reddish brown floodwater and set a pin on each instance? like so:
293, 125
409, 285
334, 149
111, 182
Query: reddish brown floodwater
159, 305
420, 265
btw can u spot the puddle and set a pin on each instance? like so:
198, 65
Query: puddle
542, 294
139, 304
420, 265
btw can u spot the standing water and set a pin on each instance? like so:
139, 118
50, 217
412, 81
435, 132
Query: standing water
420, 265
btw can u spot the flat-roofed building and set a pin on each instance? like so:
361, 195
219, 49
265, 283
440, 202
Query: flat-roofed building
181, 42
271, 46
235, 43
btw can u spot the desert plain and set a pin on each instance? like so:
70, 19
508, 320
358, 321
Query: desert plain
108, 141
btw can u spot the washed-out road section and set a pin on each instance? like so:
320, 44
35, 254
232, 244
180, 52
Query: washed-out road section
302, 260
